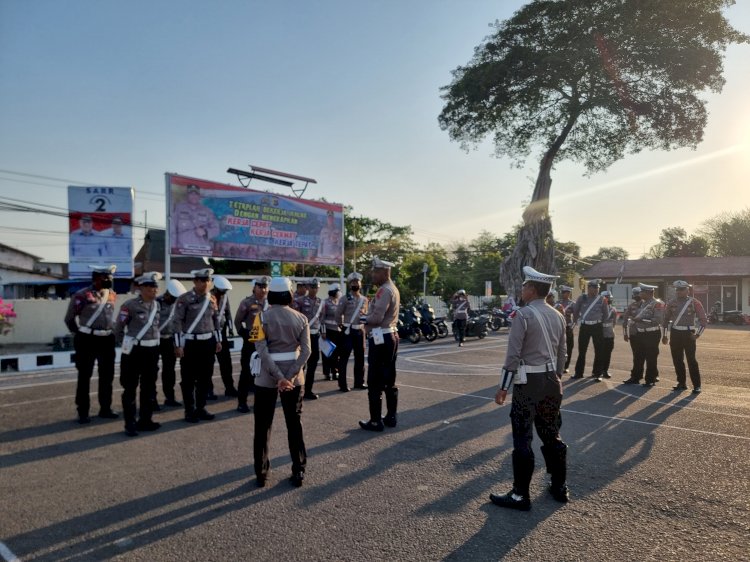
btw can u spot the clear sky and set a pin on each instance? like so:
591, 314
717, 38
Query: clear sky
345, 91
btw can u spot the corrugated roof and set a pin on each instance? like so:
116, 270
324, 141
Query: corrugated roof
735, 266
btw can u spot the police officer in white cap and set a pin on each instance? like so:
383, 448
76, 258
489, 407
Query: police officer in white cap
608, 338
220, 290
351, 308
197, 340
166, 345
647, 324
565, 307
534, 365
137, 329
381, 324
591, 311
629, 332
310, 305
94, 340
330, 329
460, 307
680, 333
283, 350
250, 308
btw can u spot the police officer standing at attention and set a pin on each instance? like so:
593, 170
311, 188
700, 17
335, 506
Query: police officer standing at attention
330, 329
197, 341
680, 333
249, 308
590, 310
534, 364
461, 308
310, 306
94, 340
381, 324
647, 323
608, 338
630, 334
220, 290
565, 307
283, 352
137, 329
351, 309
166, 343
301, 288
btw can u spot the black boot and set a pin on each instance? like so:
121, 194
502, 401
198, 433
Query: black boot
391, 402
518, 497
557, 467
376, 409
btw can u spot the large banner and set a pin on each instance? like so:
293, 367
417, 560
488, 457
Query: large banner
225, 221
100, 229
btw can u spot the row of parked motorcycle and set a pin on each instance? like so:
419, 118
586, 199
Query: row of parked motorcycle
418, 321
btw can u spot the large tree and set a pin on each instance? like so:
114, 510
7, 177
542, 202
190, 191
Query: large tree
729, 234
588, 81
674, 242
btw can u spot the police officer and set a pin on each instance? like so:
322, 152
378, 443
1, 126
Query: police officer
647, 323
310, 305
194, 226
590, 311
166, 343
680, 333
351, 309
330, 329
565, 307
197, 340
536, 346
381, 324
137, 329
630, 334
301, 288
94, 340
461, 308
249, 308
608, 338
283, 352
220, 290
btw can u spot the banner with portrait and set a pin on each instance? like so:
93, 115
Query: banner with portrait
224, 221
100, 227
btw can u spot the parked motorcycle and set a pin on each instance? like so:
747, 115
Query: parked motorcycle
476, 326
427, 324
408, 324
729, 317
499, 319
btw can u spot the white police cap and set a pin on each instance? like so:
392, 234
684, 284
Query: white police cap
263, 280
280, 285
606, 294
377, 263
334, 287
461, 292
594, 282
175, 288
636, 290
314, 282
649, 288
566, 289
553, 293
204, 273
105, 269
354, 275
531, 274
222, 283
150, 278
680, 284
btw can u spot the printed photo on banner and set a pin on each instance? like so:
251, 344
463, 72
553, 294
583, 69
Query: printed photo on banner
224, 221
100, 226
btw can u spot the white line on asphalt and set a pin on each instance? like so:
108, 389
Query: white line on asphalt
615, 418
7, 555
673, 405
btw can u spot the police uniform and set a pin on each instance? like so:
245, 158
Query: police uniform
166, 340
330, 329
351, 309
193, 226
647, 323
608, 339
221, 289
590, 313
460, 307
381, 324
631, 336
536, 345
94, 340
680, 317
283, 352
138, 325
244, 318
566, 309
201, 313
311, 308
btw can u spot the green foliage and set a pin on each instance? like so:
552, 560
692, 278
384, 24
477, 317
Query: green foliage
365, 238
674, 242
728, 234
409, 277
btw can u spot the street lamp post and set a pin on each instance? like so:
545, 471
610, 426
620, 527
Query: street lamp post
424, 280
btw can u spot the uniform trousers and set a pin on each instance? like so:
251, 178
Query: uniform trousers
139, 367
197, 368
354, 341
536, 405
586, 333
608, 345
89, 349
459, 326
224, 357
265, 406
331, 364
682, 344
381, 376
246, 384
168, 361
647, 350
569, 339
634, 343
312, 362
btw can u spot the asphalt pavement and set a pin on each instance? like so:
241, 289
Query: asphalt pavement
654, 474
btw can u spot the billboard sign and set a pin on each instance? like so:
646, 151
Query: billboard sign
100, 226
224, 221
